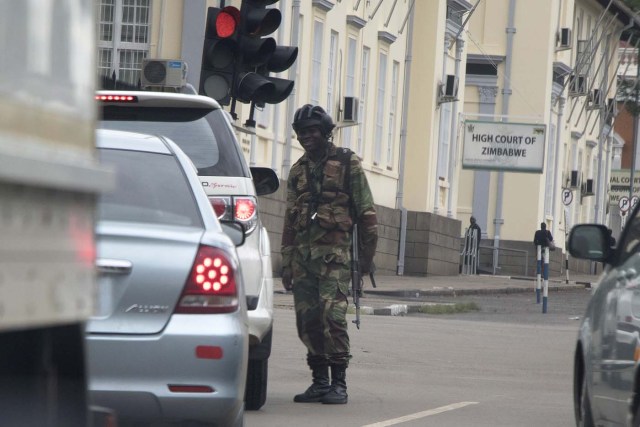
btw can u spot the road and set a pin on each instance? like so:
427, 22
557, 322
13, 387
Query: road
506, 365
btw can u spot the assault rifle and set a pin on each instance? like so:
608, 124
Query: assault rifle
356, 279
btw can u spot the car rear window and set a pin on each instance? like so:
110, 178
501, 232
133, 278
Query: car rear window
150, 188
208, 141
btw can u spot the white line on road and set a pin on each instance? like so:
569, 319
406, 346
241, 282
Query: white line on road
422, 414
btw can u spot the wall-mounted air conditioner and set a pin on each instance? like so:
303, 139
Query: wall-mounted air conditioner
350, 109
587, 188
564, 38
448, 90
574, 179
163, 73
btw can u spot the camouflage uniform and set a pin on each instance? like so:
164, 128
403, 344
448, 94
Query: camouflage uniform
316, 243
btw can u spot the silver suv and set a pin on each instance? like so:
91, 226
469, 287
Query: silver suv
204, 132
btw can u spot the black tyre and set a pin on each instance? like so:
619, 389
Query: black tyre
256, 392
584, 417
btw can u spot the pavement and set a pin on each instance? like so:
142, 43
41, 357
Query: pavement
398, 295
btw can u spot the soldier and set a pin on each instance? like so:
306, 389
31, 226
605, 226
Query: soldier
327, 192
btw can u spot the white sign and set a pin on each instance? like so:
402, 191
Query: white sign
623, 203
567, 196
515, 147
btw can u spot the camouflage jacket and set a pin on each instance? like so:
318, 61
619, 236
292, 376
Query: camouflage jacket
322, 203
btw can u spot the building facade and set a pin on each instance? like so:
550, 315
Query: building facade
401, 79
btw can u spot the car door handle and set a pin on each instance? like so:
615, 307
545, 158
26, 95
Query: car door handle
113, 266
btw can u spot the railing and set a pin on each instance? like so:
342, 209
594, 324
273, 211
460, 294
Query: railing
493, 254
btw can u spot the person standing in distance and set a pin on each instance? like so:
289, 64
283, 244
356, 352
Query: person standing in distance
543, 236
327, 192
473, 226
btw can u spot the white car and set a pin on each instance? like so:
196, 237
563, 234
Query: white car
204, 132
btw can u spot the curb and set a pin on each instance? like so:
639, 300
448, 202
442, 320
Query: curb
418, 293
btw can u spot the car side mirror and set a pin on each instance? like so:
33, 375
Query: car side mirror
235, 231
265, 180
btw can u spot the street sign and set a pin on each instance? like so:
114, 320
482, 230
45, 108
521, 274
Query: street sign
623, 203
567, 196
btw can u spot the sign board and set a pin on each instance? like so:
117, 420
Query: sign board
619, 184
517, 147
623, 204
567, 196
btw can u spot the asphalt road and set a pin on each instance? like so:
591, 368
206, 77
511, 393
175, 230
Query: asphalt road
505, 365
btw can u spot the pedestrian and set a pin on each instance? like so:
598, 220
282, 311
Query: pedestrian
472, 242
543, 237
327, 192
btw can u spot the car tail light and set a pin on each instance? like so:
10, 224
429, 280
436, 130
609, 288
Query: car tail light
242, 209
221, 206
211, 285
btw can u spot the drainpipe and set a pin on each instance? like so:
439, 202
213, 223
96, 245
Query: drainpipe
506, 93
291, 108
276, 112
403, 145
453, 139
601, 187
558, 170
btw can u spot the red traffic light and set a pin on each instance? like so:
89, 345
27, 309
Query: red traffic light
226, 22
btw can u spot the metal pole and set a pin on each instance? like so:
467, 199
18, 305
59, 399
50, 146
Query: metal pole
635, 126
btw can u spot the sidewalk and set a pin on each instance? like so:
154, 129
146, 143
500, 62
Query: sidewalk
397, 295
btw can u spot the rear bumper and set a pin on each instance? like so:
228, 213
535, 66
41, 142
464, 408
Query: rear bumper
132, 373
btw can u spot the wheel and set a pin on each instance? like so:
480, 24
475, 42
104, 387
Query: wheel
256, 392
584, 418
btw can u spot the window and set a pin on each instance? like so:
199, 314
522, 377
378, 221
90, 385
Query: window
350, 86
333, 55
391, 128
123, 38
318, 30
382, 80
364, 81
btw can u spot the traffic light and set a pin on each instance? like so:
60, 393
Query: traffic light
219, 54
260, 56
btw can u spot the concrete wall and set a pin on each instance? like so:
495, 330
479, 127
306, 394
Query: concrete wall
432, 247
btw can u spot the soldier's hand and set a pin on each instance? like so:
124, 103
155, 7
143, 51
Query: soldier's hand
287, 281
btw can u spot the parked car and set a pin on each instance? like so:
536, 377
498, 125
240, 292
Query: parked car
204, 132
606, 370
169, 339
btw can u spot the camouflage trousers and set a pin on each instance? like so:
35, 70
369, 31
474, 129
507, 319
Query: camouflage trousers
320, 289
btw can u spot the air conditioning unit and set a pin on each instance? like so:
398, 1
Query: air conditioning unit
449, 89
350, 109
163, 73
577, 85
594, 100
587, 188
574, 179
564, 38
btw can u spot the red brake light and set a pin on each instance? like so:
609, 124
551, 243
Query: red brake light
211, 285
116, 98
245, 209
227, 21
220, 206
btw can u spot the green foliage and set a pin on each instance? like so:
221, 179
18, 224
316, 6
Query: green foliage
633, 4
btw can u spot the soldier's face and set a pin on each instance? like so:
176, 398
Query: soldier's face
311, 138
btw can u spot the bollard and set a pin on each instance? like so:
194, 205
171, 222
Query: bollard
545, 272
538, 272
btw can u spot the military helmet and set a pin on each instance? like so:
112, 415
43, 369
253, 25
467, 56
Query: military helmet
310, 115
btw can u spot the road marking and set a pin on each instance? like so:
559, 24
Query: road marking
422, 414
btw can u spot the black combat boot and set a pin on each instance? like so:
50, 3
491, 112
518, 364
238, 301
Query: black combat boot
338, 393
318, 388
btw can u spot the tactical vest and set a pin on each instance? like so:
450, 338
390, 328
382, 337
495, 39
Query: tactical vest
329, 206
